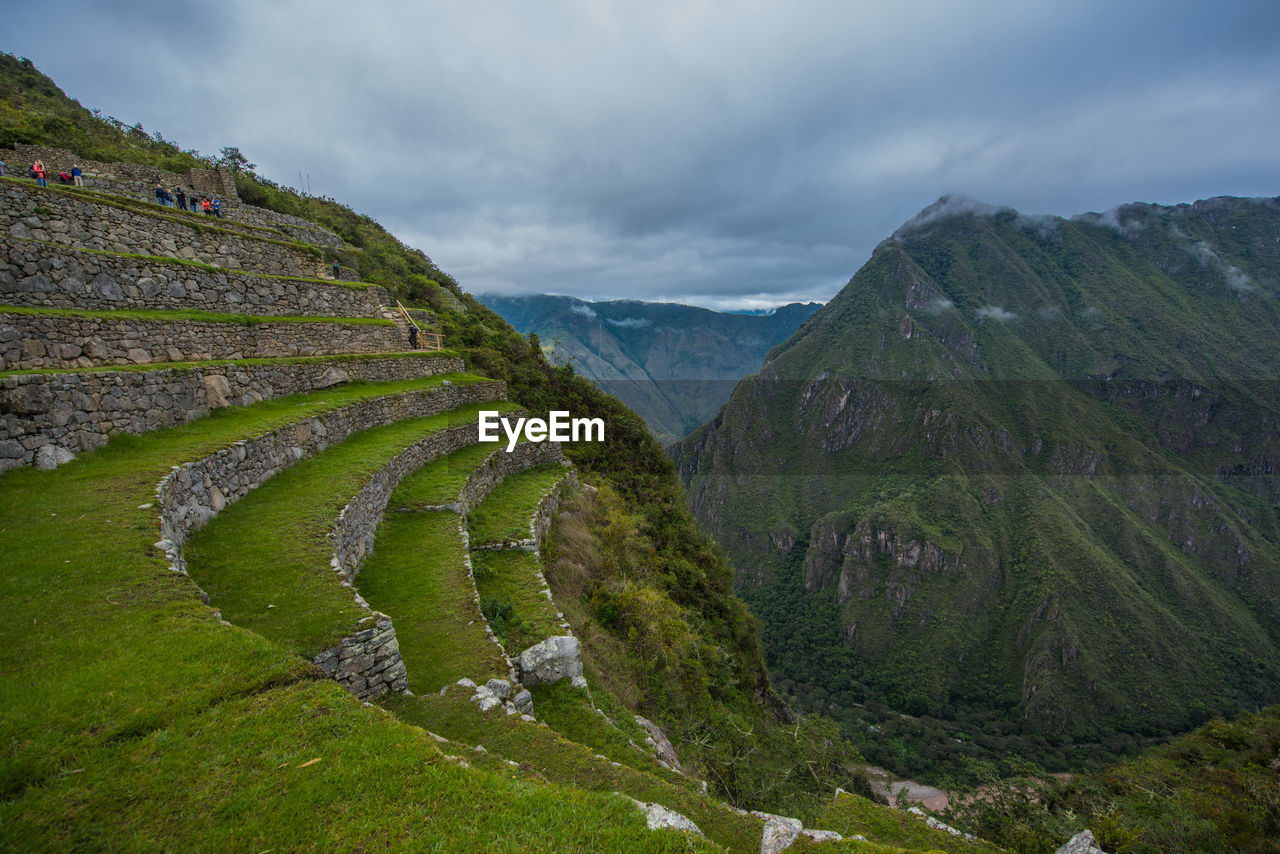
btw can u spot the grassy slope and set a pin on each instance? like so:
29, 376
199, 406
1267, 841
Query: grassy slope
124, 696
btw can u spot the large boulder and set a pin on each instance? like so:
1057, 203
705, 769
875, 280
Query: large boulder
553, 659
779, 832
51, 456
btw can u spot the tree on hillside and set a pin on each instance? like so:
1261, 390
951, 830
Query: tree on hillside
232, 158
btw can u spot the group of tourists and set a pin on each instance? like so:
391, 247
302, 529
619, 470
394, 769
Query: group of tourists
164, 198
180, 199
41, 174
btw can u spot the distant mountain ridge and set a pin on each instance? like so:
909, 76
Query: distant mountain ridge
1020, 469
675, 365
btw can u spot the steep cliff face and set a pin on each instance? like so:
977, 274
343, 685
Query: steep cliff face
1022, 464
675, 365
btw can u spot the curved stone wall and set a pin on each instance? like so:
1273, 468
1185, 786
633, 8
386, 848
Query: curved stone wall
50, 274
353, 536
368, 662
69, 341
500, 464
194, 493
27, 211
81, 411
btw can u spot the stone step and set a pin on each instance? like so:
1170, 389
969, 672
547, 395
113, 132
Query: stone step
74, 218
36, 273
49, 338
79, 411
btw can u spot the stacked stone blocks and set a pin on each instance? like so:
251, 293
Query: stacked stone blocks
29, 212
53, 275
33, 341
81, 411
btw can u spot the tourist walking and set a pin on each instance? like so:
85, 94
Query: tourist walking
76, 176
182, 199
204, 203
217, 207
42, 176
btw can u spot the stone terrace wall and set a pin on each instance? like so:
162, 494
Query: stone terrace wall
353, 534
294, 226
194, 493
499, 464
282, 226
51, 216
80, 411
368, 664
540, 524
353, 537
138, 181
49, 274
67, 341
211, 182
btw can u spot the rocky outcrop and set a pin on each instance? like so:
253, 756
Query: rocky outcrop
779, 832
1082, 843
556, 658
661, 745
658, 817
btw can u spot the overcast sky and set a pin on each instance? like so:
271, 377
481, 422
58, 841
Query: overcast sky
728, 154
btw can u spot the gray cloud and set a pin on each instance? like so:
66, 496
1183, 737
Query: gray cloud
732, 156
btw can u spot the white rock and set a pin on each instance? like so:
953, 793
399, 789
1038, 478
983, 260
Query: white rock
657, 816
779, 832
51, 456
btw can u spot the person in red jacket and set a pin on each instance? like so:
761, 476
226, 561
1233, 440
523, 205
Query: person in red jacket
204, 203
42, 177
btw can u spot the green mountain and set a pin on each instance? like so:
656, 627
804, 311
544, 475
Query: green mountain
1017, 481
674, 365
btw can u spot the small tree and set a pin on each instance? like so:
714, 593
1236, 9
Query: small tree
234, 160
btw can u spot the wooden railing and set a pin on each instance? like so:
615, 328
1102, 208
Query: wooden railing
426, 340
